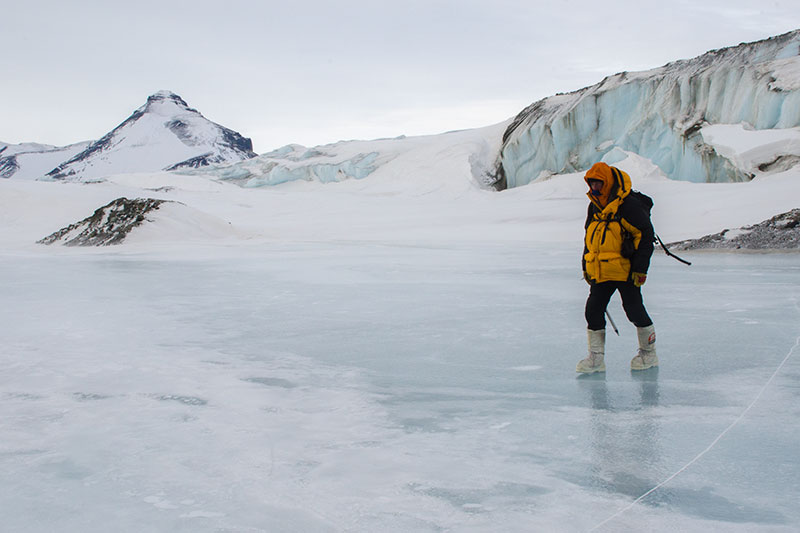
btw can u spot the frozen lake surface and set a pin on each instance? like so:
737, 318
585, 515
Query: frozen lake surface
360, 387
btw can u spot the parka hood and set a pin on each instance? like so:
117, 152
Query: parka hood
616, 184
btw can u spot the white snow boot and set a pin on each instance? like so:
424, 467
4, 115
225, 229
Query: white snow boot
597, 348
646, 356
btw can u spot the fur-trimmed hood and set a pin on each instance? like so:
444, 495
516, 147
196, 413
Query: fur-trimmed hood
616, 184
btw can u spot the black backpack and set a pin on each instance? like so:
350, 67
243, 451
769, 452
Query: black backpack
627, 238
628, 247
645, 200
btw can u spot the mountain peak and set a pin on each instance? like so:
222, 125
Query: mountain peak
163, 134
164, 93
165, 102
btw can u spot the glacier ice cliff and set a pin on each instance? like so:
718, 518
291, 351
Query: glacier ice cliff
659, 114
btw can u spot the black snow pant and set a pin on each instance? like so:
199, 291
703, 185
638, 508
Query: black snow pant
599, 296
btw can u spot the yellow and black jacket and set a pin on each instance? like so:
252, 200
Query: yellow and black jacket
619, 235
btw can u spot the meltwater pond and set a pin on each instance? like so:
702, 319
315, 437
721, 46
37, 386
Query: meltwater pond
360, 387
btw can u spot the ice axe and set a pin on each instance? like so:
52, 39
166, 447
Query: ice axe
612, 322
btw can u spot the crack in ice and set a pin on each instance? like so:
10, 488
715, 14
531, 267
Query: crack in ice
710, 446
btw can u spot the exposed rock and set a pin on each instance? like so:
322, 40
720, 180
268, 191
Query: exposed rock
108, 225
202, 160
8, 165
780, 163
781, 232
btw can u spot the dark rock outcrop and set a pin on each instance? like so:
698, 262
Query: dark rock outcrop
8, 165
108, 225
781, 232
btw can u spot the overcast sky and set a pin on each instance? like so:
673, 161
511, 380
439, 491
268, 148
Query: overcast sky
312, 72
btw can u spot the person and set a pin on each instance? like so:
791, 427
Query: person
618, 246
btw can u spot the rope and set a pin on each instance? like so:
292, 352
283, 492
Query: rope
710, 446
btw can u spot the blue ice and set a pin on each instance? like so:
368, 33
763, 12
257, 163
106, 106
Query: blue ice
355, 387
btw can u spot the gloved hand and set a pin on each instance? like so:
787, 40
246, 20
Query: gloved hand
638, 278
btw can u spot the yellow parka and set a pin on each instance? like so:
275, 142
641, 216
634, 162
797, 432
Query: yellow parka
619, 235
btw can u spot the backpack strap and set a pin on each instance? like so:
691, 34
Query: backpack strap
666, 251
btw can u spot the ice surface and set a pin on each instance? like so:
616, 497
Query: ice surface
394, 353
378, 387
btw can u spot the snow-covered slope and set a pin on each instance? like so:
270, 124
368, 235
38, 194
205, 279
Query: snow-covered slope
455, 159
163, 134
388, 210
661, 114
33, 160
7, 149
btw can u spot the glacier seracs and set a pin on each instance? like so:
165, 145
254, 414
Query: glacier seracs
659, 114
424, 160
